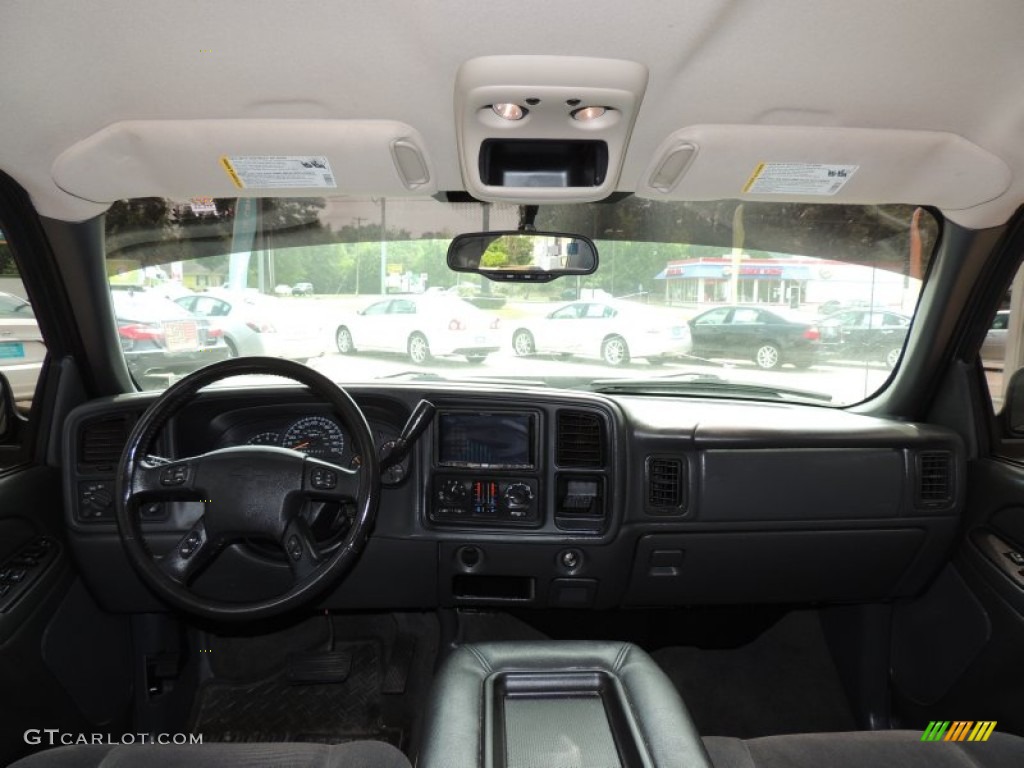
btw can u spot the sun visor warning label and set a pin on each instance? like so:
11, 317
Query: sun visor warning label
798, 179
279, 171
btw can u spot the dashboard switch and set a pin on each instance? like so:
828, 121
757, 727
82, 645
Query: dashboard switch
518, 496
1015, 557
570, 559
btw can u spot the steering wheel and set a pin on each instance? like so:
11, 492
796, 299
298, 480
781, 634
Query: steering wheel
249, 492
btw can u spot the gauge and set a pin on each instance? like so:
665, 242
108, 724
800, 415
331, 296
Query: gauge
315, 436
393, 475
265, 438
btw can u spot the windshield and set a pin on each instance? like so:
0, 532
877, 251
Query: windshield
761, 299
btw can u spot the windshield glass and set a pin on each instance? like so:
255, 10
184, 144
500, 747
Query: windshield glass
760, 300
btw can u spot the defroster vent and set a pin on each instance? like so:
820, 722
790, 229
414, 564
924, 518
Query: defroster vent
580, 439
665, 489
101, 442
934, 478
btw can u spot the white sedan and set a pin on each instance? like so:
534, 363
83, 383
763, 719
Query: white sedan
614, 331
422, 326
253, 324
21, 346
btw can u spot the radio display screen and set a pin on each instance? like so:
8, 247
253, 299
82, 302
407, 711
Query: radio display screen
495, 440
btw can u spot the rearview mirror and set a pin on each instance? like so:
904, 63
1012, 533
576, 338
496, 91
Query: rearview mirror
527, 257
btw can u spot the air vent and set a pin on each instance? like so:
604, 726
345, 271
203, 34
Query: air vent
935, 478
580, 439
102, 442
664, 485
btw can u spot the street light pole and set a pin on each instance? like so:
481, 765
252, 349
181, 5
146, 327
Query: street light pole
383, 245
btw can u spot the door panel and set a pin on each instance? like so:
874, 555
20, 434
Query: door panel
35, 696
957, 649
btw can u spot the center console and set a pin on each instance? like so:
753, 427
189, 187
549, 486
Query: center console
555, 704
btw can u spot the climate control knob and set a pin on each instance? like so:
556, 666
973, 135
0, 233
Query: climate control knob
453, 492
518, 496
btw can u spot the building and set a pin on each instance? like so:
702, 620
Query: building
794, 281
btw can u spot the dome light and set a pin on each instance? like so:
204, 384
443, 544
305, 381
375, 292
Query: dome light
586, 114
509, 111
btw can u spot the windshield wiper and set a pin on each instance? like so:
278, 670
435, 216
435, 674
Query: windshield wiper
704, 384
414, 376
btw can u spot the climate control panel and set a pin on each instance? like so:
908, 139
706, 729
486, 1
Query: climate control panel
470, 499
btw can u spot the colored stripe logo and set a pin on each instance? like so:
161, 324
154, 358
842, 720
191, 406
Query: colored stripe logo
958, 730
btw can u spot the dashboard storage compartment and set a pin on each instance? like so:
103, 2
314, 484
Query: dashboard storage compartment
467, 587
783, 566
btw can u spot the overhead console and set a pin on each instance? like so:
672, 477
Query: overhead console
545, 128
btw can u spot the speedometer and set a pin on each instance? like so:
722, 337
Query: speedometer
315, 436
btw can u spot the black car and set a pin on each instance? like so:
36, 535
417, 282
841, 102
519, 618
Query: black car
771, 338
864, 334
161, 339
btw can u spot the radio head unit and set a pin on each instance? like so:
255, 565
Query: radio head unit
487, 439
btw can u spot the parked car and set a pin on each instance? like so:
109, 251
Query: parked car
769, 337
302, 289
614, 331
258, 325
21, 345
993, 349
423, 326
864, 334
161, 339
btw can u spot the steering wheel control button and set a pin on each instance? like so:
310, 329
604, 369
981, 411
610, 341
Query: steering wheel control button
176, 475
324, 479
190, 544
294, 548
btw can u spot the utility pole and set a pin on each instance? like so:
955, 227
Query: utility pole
359, 230
383, 245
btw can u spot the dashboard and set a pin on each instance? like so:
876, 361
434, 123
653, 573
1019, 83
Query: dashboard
545, 498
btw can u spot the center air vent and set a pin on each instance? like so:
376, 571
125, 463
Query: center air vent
101, 443
665, 489
580, 439
934, 478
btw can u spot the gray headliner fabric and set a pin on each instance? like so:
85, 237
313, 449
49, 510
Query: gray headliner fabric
864, 749
356, 754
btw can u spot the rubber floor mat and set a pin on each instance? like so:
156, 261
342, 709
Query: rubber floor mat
273, 709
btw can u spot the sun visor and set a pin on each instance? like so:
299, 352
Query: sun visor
842, 165
230, 158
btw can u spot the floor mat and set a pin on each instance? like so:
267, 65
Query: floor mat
782, 682
273, 709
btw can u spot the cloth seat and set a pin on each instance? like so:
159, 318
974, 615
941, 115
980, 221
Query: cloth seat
860, 749
465, 716
355, 754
